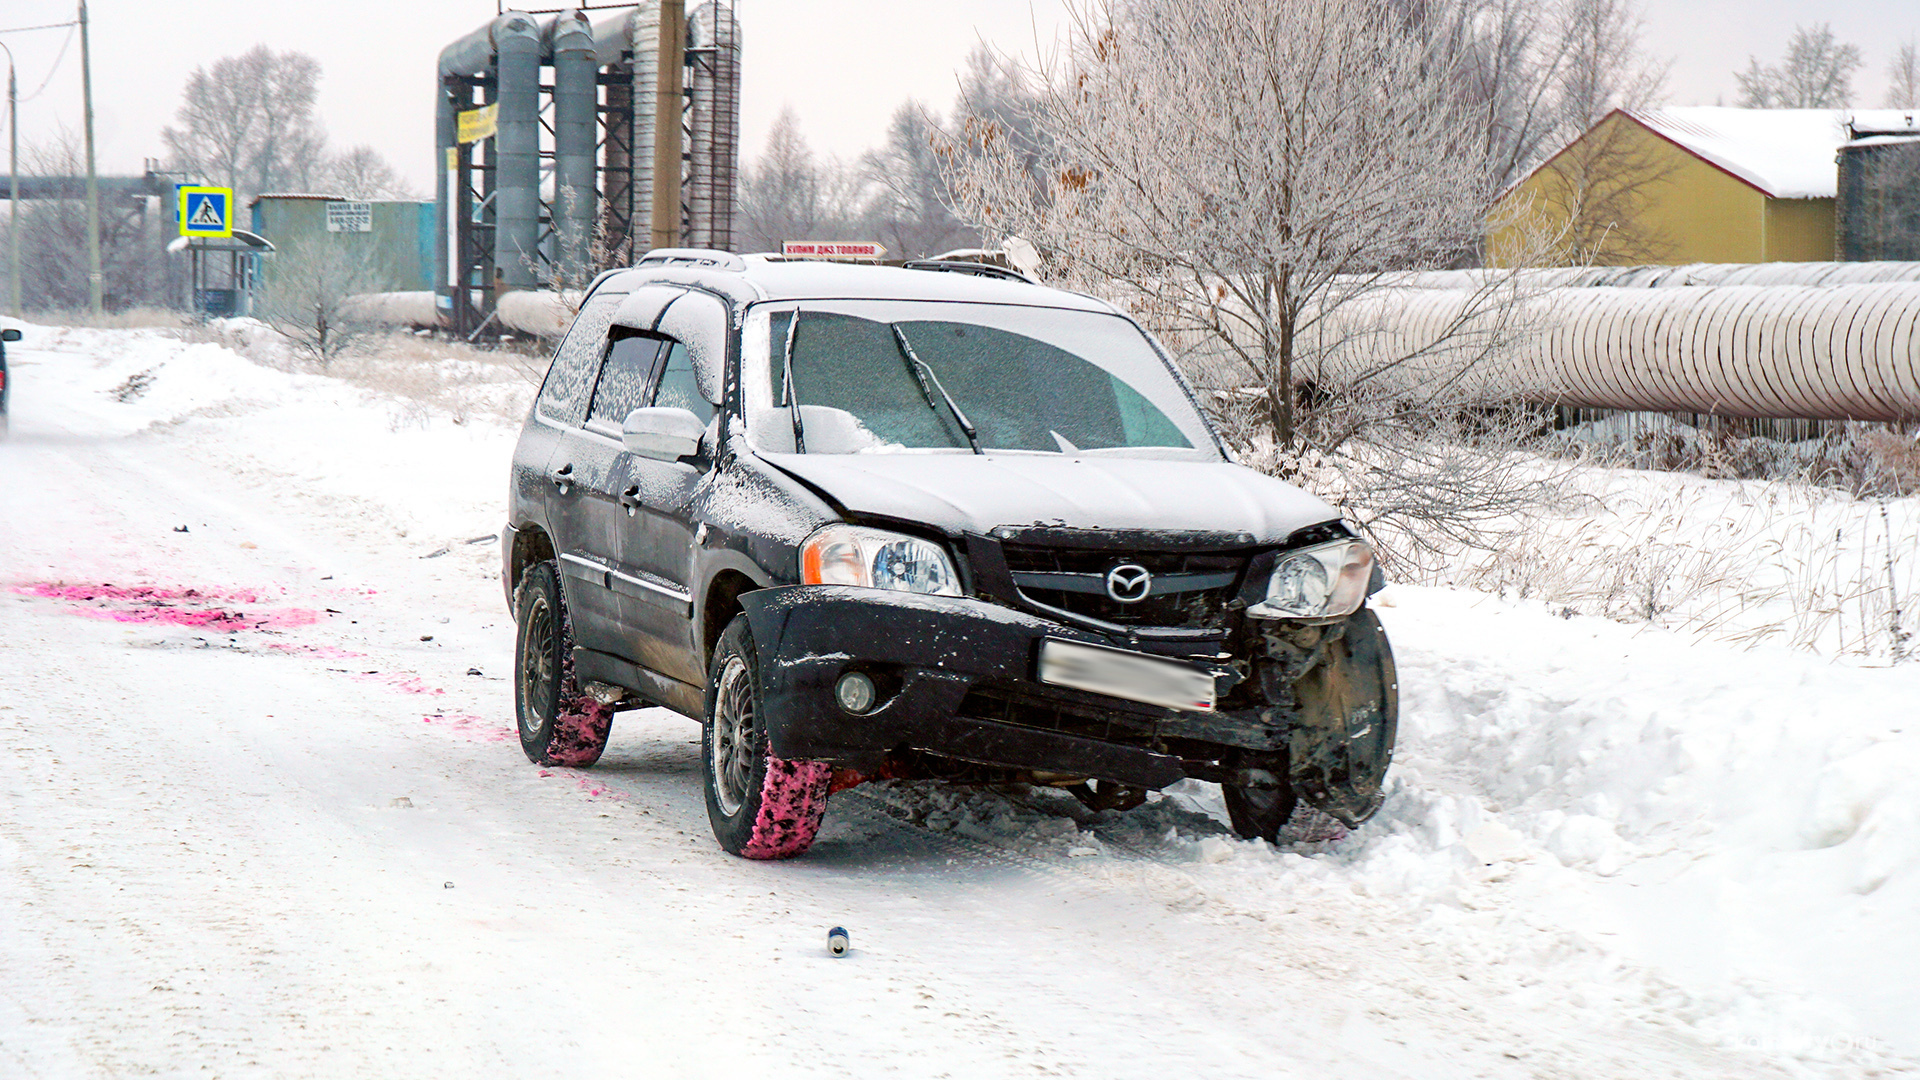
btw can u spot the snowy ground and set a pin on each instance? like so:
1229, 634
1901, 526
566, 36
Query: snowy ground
261, 813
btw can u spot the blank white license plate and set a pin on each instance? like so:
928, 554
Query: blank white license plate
1133, 676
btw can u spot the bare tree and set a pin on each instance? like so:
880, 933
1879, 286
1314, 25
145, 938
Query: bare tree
1249, 178
361, 173
790, 195
910, 209
1605, 68
1238, 172
247, 122
1904, 77
53, 239
1817, 73
1538, 73
307, 293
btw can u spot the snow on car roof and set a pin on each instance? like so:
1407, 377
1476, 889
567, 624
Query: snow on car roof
805, 280
1786, 153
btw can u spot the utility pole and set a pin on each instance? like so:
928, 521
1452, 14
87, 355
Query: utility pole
13, 189
670, 101
96, 280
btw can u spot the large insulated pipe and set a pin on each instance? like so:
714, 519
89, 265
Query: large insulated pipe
715, 151
629, 45
507, 48
516, 199
1834, 352
570, 42
1667, 277
446, 231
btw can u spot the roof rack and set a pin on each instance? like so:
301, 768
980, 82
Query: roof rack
977, 269
717, 260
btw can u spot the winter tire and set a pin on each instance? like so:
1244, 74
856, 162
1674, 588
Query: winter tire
559, 723
761, 806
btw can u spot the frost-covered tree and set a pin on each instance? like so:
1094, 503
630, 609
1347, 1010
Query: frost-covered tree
308, 288
247, 122
1817, 73
1248, 177
1903, 77
1238, 171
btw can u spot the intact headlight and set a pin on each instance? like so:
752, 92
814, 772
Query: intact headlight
1326, 581
871, 558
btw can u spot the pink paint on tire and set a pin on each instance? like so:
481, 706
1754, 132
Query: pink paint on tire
793, 798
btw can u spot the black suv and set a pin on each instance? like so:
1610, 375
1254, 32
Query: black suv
931, 521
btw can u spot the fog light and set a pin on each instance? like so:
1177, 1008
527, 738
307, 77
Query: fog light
855, 692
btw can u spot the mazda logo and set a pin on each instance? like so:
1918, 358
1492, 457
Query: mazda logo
1129, 583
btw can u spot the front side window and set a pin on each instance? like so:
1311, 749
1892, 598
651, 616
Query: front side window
624, 379
895, 376
680, 384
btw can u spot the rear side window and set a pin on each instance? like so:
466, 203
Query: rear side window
624, 380
570, 377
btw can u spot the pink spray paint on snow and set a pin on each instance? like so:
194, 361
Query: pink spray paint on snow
196, 609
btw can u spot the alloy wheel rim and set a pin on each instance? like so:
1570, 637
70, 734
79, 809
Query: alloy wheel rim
732, 735
537, 667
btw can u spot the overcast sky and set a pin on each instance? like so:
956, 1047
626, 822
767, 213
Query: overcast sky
843, 65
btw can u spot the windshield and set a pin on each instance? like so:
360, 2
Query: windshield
897, 376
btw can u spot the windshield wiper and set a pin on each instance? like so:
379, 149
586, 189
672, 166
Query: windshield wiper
789, 398
922, 373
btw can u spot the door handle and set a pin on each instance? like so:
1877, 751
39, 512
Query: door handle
562, 477
630, 499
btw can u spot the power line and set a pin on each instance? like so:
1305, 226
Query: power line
42, 26
55, 70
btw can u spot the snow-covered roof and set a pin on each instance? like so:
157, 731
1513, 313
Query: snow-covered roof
1786, 153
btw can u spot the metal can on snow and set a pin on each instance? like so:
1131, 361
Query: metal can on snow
837, 941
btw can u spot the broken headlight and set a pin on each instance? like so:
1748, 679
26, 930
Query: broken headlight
870, 558
1326, 581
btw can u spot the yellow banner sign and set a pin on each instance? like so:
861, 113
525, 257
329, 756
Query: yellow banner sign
476, 124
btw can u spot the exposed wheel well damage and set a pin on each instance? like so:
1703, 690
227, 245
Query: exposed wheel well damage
723, 603
531, 547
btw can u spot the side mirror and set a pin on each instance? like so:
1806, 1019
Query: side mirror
9, 334
662, 434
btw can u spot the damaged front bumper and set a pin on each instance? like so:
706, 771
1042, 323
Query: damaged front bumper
957, 677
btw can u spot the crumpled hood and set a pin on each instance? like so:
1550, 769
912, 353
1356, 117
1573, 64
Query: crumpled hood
976, 493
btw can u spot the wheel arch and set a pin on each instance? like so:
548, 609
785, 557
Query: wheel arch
531, 547
721, 605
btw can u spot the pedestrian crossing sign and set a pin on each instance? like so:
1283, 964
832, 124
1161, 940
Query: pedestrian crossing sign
206, 211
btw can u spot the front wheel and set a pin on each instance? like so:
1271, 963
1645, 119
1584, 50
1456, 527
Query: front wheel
760, 806
560, 724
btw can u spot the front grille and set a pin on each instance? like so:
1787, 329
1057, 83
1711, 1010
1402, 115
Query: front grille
1191, 588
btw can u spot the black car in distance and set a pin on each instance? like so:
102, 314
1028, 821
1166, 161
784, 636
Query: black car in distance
932, 521
6, 391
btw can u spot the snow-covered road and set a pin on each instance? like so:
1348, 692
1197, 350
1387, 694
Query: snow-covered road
261, 813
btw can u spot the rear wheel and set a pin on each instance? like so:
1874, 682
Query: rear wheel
760, 806
559, 723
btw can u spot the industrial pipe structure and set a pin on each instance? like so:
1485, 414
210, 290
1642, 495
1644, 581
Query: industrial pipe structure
576, 104
1665, 277
645, 144
1808, 352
